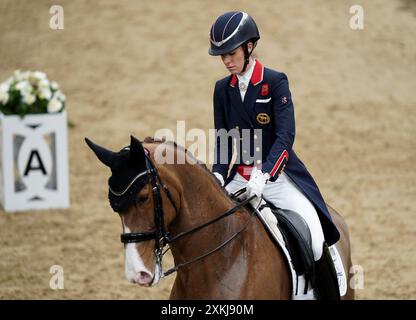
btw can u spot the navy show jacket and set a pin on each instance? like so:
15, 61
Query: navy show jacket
263, 130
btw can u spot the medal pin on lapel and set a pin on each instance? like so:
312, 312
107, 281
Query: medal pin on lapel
264, 89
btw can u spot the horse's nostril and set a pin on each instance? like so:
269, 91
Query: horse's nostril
145, 277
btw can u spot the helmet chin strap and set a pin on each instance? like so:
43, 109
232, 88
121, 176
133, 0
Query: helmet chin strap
246, 56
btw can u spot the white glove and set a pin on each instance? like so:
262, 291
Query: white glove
257, 182
220, 178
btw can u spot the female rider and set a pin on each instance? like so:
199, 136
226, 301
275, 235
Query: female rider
255, 102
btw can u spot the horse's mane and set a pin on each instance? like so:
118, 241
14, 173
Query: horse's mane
200, 163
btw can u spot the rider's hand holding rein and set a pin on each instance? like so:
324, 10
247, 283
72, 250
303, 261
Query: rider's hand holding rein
256, 184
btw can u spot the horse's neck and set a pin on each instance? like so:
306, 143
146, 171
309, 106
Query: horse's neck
227, 273
202, 200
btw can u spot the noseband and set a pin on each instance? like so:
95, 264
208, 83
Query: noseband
161, 235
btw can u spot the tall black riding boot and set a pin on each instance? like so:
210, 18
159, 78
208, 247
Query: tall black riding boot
326, 277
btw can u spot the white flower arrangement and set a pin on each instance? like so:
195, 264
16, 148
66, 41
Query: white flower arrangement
30, 92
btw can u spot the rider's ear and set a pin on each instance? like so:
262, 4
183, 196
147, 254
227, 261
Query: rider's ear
104, 155
250, 47
137, 154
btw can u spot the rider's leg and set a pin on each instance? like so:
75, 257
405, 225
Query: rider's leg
236, 184
284, 194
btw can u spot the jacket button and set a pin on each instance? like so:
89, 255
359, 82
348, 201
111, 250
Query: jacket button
247, 162
258, 149
237, 127
255, 136
244, 151
258, 161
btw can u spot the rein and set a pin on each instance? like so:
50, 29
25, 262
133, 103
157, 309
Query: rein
225, 214
162, 237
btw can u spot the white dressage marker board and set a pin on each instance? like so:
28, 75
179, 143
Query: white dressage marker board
34, 162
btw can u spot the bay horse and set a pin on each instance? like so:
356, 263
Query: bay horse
221, 250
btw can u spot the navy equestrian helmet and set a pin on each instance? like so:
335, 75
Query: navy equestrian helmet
231, 30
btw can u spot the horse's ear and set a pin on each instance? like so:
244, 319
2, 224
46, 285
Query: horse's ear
137, 153
104, 155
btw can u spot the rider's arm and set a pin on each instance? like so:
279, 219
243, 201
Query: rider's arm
284, 121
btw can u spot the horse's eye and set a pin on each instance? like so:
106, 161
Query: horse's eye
141, 199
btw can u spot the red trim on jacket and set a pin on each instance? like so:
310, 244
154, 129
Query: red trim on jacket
256, 77
258, 72
233, 81
283, 156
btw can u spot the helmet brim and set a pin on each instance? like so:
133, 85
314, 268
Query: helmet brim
213, 51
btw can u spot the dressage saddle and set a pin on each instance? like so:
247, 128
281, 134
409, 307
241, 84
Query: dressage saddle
297, 236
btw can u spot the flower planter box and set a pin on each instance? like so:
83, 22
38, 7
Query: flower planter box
34, 162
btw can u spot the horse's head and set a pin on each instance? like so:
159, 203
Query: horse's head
135, 193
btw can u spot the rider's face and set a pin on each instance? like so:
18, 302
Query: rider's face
234, 60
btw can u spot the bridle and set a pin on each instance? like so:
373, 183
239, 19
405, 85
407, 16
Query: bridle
161, 236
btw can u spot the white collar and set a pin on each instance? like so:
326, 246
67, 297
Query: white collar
246, 76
